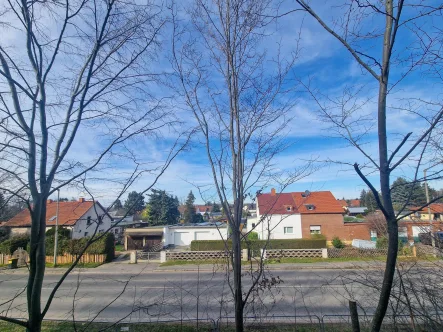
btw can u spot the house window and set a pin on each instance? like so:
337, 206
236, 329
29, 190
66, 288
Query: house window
86, 233
288, 208
88, 221
253, 225
315, 229
310, 207
116, 231
289, 230
79, 230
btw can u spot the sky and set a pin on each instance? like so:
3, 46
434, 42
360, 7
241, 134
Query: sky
330, 70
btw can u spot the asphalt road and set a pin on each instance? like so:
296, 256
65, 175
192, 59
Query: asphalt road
146, 294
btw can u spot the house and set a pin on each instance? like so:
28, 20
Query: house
355, 211
81, 217
302, 214
436, 210
200, 209
346, 203
179, 235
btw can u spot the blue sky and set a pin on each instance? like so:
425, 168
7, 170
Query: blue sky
331, 69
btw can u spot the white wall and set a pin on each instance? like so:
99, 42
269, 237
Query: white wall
189, 234
81, 226
277, 223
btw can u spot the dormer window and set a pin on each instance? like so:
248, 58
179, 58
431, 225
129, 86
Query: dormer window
288, 208
310, 207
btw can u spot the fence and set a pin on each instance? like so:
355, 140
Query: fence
195, 255
356, 252
294, 253
86, 258
4, 259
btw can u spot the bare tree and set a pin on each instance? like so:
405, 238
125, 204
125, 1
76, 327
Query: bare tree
74, 70
239, 96
393, 19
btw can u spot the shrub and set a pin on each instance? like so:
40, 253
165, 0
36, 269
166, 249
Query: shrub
62, 233
318, 237
203, 245
252, 236
349, 218
337, 243
382, 242
360, 216
104, 246
4, 233
9, 246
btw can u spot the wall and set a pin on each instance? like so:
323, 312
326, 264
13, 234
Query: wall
189, 234
332, 225
277, 223
20, 230
81, 226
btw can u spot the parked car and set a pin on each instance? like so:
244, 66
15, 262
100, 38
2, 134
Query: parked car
426, 238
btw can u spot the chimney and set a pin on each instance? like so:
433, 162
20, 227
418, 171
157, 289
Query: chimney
273, 192
81, 199
49, 201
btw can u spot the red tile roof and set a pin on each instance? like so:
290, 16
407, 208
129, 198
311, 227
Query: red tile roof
435, 208
355, 203
69, 213
342, 202
322, 202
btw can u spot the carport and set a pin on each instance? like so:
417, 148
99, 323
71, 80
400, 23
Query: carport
140, 238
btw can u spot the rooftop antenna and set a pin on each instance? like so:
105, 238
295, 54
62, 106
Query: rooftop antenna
307, 193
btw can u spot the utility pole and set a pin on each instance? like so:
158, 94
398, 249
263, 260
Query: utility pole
429, 207
56, 229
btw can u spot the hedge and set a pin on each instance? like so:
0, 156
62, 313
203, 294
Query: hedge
203, 245
9, 246
75, 246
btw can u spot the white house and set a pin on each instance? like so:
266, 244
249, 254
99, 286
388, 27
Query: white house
81, 217
173, 235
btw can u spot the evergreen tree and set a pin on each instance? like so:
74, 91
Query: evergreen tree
215, 207
189, 215
117, 205
134, 203
3, 208
367, 200
163, 208
409, 193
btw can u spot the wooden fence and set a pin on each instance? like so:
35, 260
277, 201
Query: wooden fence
4, 259
86, 258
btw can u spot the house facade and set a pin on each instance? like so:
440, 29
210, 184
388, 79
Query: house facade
180, 235
302, 214
81, 217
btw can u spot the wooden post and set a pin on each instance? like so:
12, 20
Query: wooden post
414, 251
354, 316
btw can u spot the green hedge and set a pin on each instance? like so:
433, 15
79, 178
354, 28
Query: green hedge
106, 245
9, 246
203, 245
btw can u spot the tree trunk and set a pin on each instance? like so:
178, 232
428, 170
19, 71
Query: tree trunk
354, 316
37, 265
238, 295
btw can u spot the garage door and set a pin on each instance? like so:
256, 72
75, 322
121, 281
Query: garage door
180, 238
202, 236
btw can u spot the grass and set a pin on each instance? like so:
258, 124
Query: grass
95, 327
119, 247
80, 265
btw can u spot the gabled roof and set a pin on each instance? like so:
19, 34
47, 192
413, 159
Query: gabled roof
69, 213
315, 203
435, 208
352, 202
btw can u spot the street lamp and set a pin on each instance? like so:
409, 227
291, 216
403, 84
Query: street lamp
427, 202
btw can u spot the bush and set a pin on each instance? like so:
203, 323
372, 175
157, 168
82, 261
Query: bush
337, 243
252, 236
104, 246
62, 233
318, 237
4, 233
382, 242
9, 246
360, 216
203, 245
349, 218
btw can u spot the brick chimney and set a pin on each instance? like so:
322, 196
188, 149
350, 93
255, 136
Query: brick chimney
49, 201
81, 199
273, 192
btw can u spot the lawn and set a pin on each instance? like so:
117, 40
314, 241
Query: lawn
119, 247
79, 265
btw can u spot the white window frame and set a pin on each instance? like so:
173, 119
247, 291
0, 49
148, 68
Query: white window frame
315, 229
285, 230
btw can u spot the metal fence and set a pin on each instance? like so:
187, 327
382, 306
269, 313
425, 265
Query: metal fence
150, 256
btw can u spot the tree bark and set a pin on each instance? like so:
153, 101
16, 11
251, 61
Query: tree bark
354, 316
238, 293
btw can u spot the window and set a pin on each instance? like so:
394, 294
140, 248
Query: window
289, 208
315, 229
79, 230
116, 231
100, 231
52, 218
310, 207
88, 221
86, 233
253, 225
289, 230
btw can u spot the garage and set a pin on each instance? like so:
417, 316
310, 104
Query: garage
181, 238
419, 229
202, 235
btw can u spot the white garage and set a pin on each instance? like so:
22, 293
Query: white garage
183, 235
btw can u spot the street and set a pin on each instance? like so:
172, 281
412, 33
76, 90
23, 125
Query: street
143, 293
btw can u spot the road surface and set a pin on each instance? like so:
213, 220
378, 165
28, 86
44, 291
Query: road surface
144, 293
